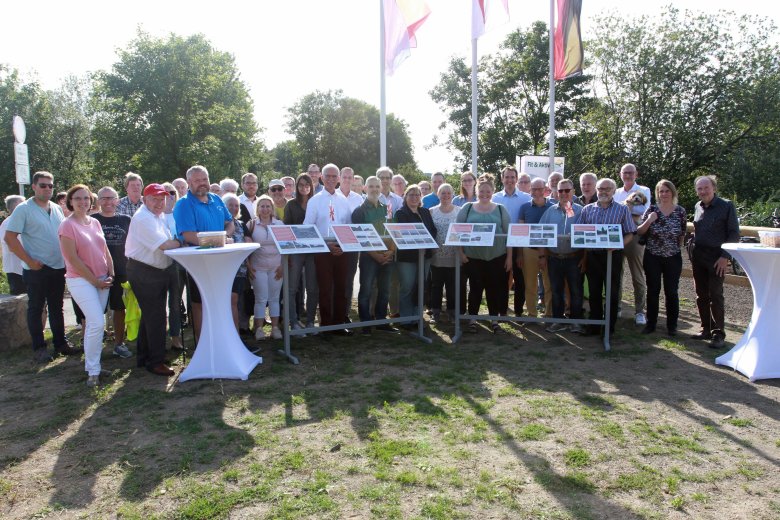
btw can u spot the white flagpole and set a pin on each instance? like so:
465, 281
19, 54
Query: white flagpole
552, 86
474, 110
382, 100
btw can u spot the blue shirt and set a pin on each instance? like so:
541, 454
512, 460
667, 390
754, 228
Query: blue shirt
530, 213
430, 200
191, 214
39, 229
460, 200
512, 202
557, 215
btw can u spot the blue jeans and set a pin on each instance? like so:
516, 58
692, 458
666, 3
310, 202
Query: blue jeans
371, 271
561, 272
407, 290
45, 286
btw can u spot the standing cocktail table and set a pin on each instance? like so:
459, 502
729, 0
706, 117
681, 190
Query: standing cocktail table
757, 354
220, 353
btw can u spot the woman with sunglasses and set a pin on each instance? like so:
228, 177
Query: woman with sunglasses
301, 266
89, 272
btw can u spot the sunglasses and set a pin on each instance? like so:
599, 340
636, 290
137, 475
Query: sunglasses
564, 190
172, 192
44, 185
277, 188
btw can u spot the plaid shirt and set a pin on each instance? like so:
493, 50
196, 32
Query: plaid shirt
125, 207
615, 213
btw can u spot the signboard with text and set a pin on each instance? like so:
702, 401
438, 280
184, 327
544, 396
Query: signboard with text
538, 165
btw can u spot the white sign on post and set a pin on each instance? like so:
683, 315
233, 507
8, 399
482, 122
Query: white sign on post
538, 165
597, 236
21, 157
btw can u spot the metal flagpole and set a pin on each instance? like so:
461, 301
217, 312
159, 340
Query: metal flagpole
552, 87
474, 111
382, 101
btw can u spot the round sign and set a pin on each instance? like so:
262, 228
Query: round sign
20, 131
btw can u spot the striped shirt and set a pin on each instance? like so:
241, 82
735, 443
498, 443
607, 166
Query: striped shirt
128, 207
614, 213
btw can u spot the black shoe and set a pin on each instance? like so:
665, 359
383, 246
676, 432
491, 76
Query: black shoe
718, 341
342, 332
671, 332
387, 328
41, 355
244, 332
702, 335
649, 329
68, 350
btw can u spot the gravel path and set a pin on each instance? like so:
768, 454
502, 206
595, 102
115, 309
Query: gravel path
739, 301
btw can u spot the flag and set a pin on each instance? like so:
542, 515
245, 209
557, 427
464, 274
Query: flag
568, 40
402, 19
498, 10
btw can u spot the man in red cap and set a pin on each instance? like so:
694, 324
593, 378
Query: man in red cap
148, 271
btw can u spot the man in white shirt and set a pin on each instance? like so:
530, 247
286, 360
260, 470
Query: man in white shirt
148, 271
634, 252
325, 209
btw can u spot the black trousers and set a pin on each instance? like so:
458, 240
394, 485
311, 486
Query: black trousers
709, 292
668, 269
597, 278
150, 286
488, 276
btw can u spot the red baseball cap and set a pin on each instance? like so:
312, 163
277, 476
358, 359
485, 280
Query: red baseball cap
155, 189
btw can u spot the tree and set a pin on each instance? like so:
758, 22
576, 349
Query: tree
287, 158
57, 129
685, 94
329, 127
170, 103
513, 103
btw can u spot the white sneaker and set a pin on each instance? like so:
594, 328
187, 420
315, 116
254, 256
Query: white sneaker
297, 326
259, 333
276, 333
640, 319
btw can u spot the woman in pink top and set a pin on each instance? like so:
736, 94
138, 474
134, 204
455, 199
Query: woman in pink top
265, 268
89, 272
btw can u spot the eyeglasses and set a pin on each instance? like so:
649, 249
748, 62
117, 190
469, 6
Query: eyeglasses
533, 189
45, 185
603, 189
108, 198
277, 188
564, 190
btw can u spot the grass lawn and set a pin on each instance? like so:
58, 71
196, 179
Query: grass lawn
522, 424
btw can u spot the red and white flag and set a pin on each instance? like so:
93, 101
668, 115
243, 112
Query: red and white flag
487, 14
402, 20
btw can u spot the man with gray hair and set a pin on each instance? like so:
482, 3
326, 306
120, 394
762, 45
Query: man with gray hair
588, 188
323, 210
289, 187
180, 185
129, 204
552, 184
715, 223
605, 211
12, 265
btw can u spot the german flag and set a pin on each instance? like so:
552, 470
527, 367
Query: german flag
568, 40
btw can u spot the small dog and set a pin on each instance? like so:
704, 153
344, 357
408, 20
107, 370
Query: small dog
637, 198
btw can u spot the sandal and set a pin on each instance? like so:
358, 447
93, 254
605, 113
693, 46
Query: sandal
472, 327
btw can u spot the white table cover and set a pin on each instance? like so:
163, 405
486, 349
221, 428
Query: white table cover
757, 354
220, 353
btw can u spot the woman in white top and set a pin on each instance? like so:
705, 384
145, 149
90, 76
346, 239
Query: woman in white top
265, 268
443, 263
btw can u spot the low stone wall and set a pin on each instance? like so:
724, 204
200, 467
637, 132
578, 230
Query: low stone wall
13, 322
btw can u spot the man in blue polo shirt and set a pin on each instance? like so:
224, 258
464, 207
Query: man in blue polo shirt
512, 199
199, 211
531, 213
37, 221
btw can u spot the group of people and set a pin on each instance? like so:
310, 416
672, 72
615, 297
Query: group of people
99, 243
